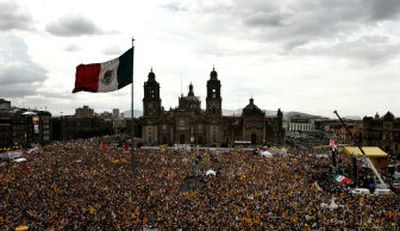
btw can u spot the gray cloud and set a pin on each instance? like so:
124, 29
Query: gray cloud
174, 7
17, 91
286, 26
272, 19
113, 50
305, 21
385, 9
73, 25
72, 48
11, 17
19, 75
371, 50
21, 72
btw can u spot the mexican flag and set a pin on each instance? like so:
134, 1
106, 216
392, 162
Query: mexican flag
105, 77
342, 179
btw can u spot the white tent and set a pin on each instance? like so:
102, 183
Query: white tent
34, 150
211, 172
18, 160
29, 113
265, 154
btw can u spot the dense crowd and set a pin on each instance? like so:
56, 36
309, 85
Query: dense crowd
81, 185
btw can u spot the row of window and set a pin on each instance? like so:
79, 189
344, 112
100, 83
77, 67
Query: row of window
300, 127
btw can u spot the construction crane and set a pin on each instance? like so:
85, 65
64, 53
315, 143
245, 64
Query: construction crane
365, 159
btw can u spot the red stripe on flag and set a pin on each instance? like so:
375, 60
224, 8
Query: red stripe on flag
87, 77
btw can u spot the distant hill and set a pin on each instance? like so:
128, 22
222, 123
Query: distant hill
291, 114
231, 112
356, 117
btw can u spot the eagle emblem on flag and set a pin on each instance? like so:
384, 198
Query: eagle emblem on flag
108, 77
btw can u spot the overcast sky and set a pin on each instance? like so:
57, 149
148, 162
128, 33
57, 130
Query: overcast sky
313, 56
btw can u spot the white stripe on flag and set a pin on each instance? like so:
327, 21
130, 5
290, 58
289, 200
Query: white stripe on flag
108, 78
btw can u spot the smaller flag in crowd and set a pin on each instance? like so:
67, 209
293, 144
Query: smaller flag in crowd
342, 179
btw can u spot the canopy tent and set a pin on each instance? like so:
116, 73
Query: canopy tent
369, 151
29, 113
211, 172
276, 150
266, 154
19, 160
378, 157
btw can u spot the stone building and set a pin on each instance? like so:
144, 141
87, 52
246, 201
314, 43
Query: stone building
18, 126
383, 132
84, 112
253, 123
5, 104
189, 124
84, 124
15, 128
301, 125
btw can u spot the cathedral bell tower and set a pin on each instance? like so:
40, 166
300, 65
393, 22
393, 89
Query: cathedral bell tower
151, 100
214, 100
213, 110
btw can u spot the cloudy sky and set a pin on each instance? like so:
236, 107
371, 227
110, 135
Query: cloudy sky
312, 56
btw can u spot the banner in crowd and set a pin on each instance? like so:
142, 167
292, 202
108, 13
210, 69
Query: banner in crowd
35, 122
342, 179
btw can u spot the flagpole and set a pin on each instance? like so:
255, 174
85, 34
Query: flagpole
133, 161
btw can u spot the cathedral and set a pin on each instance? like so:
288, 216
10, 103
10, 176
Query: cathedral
189, 124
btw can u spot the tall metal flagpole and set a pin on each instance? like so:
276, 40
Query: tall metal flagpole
133, 161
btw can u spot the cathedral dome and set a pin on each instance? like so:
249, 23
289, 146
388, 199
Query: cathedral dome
190, 96
252, 109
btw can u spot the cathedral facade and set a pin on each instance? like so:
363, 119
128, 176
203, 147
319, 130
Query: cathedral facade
189, 124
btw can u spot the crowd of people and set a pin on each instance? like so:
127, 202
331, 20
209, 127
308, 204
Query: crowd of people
83, 185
